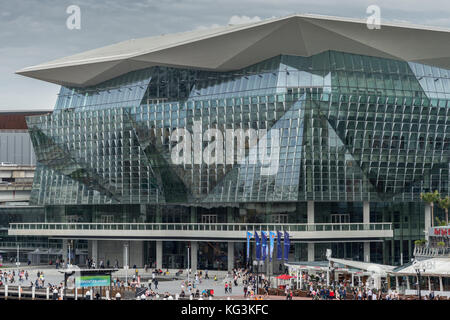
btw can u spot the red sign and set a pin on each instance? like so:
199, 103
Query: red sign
440, 232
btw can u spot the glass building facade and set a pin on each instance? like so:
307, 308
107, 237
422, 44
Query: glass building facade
351, 129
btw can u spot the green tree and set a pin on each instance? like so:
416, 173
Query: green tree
430, 198
444, 203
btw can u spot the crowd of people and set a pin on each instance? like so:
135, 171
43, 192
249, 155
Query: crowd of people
315, 285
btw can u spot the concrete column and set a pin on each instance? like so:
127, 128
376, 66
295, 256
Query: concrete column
367, 251
159, 254
158, 218
229, 215
126, 254
194, 255
310, 251
427, 220
441, 287
429, 283
193, 214
310, 212
397, 287
407, 282
230, 259
143, 212
64, 250
94, 246
136, 253
366, 212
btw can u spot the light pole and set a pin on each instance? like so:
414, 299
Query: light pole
257, 264
418, 272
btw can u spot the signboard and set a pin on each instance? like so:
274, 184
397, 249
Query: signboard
443, 231
93, 281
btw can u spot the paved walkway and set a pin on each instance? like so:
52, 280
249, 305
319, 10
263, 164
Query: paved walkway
55, 276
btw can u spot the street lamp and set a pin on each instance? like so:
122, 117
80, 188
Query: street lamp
418, 270
257, 263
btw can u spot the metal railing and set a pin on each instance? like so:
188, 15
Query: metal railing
317, 227
426, 251
34, 245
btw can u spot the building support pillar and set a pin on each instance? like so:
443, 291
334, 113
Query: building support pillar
159, 254
441, 287
143, 212
366, 212
230, 215
194, 255
230, 259
94, 246
310, 212
126, 254
64, 250
158, 214
193, 215
366, 251
311, 252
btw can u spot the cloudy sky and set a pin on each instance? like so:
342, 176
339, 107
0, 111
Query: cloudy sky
35, 31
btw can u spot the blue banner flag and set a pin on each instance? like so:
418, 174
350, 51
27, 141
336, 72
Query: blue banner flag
264, 245
272, 240
287, 244
249, 236
279, 252
258, 246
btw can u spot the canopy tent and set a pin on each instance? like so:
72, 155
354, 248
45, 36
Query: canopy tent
319, 266
38, 252
285, 277
434, 267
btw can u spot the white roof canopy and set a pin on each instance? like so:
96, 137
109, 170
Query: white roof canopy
237, 46
428, 267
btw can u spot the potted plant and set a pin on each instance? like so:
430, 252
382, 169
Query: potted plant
420, 243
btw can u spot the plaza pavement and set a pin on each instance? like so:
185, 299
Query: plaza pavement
166, 283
